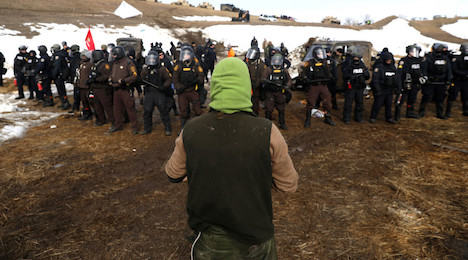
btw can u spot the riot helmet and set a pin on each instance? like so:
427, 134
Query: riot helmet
438, 47
75, 48
96, 56
55, 48
186, 53
413, 50
275, 50
85, 55
277, 60
319, 53
131, 53
464, 48
253, 53
152, 59
387, 57
118, 52
22, 47
42, 49
32, 53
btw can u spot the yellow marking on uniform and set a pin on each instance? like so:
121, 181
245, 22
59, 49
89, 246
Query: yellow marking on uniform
186, 69
200, 69
107, 66
176, 68
276, 71
318, 64
400, 67
133, 68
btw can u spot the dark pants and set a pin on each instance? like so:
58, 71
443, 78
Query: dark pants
60, 84
215, 243
123, 101
202, 92
275, 99
103, 105
1, 76
32, 85
464, 95
155, 98
312, 94
439, 93
76, 98
408, 96
256, 99
185, 99
457, 87
46, 89
353, 95
379, 101
209, 69
87, 113
20, 80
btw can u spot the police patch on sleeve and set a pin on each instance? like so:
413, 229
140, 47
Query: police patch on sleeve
176, 68
42, 60
200, 69
107, 67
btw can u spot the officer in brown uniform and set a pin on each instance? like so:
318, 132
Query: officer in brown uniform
188, 77
83, 84
257, 70
316, 74
100, 72
157, 81
277, 83
124, 73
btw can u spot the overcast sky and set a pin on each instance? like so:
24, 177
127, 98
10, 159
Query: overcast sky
314, 11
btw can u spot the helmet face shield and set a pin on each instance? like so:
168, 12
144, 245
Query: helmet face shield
277, 60
96, 56
252, 54
320, 53
186, 54
152, 58
413, 52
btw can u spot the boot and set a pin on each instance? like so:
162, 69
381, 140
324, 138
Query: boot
465, 108
328, 119
410, 112
440, 110
268, 115
307, 121
448, 109
61, 104
48, 102
397, 113
66, 105
282, 124
335, 105
422, 110
183, 120
167, 130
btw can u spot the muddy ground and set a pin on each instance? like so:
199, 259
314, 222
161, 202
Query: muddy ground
366, 191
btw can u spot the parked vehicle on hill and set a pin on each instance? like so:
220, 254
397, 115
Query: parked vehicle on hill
269, 18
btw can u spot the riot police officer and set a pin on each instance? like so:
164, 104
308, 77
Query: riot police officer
355, 74
257, 70
166, 62
74, 67
316, 74
277, 84
60, 73
460, 81
100, 72
188, 78
157, 80
83, 84
30, 67
44, 76
20, 70
439, 73
386, 81
410, 70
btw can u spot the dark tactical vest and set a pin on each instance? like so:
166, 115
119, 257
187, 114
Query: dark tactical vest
437, 68
187, 73
277, 76
318, 71
390, 78
229, 175
154, 77
414, 67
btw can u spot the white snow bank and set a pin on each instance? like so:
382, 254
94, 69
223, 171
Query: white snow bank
203, 18
396, 35
51, 33
458, 29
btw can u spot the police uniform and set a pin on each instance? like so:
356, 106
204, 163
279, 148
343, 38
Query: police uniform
155, 95
19, 70
355, 75
124, 73
257, 69
279, 81
83, 85
410, 71
44, 78
60, 73
171, 104
460, 83
187, 79
30, 77
439, 73
103, 93
386, 81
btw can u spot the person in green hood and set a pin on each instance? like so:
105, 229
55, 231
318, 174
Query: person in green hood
231, 159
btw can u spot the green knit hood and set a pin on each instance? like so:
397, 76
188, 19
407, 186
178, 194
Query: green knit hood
231, 89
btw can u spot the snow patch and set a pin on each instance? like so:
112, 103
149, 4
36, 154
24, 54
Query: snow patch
457, 29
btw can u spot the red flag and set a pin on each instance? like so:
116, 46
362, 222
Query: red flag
89, 41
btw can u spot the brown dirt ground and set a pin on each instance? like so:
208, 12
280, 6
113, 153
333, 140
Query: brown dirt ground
365, 191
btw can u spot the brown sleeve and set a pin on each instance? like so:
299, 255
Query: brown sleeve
144, 73
166, 77
132, 73
289, 80
200, 75
176, 165
176, 75
105, 71
284, 174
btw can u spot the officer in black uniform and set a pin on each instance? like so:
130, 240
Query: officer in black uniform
19, 68
210, 59
2, 69
410, 70
44, 76
386, 81
439, 72
30, 67
74, 67
60, 73
460, 81
355, 74
157, 80
166, 62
